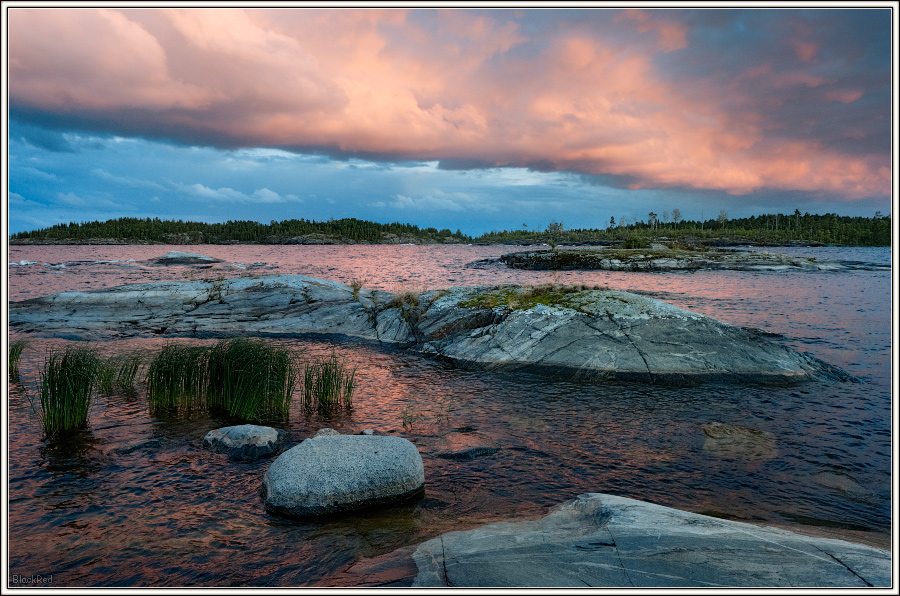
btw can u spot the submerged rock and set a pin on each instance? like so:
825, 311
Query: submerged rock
246, 442
468, 445
564, 331
738, 442
340, 473
601, 540
845, 484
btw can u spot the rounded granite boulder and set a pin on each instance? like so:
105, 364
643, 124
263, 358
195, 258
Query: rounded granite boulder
246, 442
340, 473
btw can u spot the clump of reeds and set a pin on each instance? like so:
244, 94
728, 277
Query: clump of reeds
118, 373
176, 378
15, 352
250, 379
66, 385
328, 385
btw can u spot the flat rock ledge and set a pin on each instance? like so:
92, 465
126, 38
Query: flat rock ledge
601, 540
564, 332
245, 442
333, 474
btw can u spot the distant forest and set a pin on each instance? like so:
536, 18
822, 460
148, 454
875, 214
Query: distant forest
130, 229
773, 229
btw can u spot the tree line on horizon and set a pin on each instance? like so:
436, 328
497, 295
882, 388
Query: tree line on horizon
774, 228
275, 232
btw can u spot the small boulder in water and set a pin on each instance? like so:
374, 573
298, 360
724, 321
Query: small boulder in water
340, 473
246, 442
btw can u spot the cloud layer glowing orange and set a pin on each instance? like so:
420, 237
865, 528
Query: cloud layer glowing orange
476, 87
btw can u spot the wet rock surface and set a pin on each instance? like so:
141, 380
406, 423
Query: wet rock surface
582, 333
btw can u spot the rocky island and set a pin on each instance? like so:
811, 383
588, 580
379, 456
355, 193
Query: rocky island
662, 257
564, 331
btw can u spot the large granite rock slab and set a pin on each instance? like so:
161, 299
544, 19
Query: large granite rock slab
245, 442
601, 540
332, 474
567, 332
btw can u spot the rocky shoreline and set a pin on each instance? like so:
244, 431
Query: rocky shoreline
562, 331
318, 239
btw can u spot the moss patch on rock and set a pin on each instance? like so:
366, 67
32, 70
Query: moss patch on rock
511, 298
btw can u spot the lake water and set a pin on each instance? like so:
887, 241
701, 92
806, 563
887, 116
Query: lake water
137, 501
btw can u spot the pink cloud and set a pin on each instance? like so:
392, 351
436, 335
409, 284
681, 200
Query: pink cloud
92, 59
671, 34
844, 96
435, 85
806, 50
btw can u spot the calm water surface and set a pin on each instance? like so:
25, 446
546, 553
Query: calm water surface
137, 501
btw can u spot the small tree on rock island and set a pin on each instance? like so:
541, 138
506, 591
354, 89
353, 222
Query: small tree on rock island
676, 217
723, 217
612, 222
652, 217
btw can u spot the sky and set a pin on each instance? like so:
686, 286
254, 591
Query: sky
462, 118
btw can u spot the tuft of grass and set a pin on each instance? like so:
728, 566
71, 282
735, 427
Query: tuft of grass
15, 352
404, 300
67, 381
250, 379
176, 378
409, 415
356, 285
118, 373
328, 385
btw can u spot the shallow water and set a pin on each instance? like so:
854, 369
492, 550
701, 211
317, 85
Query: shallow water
136, 500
